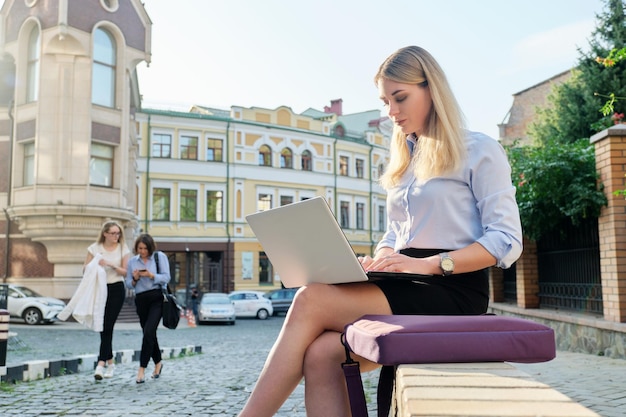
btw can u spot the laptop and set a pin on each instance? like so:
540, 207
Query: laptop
305, 244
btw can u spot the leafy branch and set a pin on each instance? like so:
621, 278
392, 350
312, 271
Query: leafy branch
615, 56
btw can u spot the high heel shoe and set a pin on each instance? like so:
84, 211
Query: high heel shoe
156, 375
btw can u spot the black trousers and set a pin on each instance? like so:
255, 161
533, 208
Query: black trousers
149, 309
115, 299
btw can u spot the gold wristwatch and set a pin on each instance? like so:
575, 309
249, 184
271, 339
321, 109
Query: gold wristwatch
446, 263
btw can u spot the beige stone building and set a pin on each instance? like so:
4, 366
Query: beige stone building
67, 137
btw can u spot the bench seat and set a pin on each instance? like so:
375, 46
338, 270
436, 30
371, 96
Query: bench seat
477, 389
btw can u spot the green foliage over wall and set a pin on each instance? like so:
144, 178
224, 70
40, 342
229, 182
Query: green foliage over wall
555, 181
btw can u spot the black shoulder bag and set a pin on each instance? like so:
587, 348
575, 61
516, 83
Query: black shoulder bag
171, 309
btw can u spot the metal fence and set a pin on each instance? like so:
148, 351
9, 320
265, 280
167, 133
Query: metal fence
509, 277
569, 268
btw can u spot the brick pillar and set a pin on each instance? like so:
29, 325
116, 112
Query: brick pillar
610, 149
527, 273
496, 285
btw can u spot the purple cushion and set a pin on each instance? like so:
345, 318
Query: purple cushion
394, 340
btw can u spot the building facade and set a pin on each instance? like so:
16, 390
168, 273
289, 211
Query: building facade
76, 150
524, 109
201, 172
67, 136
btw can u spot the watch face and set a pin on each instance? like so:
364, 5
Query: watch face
447, 264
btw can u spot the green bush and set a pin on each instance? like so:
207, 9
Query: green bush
555, 182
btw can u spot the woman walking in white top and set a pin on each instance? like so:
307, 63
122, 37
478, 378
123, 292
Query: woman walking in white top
115, 253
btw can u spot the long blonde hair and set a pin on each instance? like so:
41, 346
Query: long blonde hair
441, 146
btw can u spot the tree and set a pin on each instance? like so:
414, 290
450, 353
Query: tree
575, 106
556, 179
556, 182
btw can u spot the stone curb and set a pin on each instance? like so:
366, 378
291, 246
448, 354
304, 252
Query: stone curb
40, 369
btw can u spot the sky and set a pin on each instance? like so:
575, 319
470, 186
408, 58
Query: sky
304, 53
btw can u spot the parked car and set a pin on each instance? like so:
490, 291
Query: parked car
22, 302
181, 297
251, 304
216, 307
281, 299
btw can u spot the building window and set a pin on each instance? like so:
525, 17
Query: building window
104, 62
307, 161
161, 145
188, 205
264, 202
285, 199
101, 165
32, 66
161, 204
286, 158
265, 269
214, 206
381, 170
29, 164
265, 156
110, 5
189, 147
360, 164
382, 218
360, 216
214, 149
344, 162
344, 215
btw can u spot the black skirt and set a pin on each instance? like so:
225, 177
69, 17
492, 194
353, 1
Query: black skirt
456, 294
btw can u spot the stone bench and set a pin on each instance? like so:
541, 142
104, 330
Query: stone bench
483, 389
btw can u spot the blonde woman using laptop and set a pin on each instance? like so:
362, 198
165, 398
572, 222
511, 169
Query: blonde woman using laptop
451, 213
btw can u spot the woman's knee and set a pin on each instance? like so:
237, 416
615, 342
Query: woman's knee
325, 351
310, 297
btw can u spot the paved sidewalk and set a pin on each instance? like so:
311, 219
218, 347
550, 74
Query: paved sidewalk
217, 382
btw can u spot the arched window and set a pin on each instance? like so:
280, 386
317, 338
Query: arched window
104, 68
32, 66
265, 156
286, 158
307, 161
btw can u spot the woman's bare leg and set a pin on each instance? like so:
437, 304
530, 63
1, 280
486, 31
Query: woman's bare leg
325, 389
316, 309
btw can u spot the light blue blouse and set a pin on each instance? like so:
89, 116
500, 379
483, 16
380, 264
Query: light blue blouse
475, 204
145, 283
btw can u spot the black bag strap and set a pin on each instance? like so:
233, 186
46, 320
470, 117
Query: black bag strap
352, 373
156, 261
384, 394
166, 289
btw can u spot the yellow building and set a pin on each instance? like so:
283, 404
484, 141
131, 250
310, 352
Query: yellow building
201, 172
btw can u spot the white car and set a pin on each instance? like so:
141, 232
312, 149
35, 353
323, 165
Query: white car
251, 304
32, 307
216, 306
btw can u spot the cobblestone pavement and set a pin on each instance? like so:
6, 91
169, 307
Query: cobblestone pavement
217, 382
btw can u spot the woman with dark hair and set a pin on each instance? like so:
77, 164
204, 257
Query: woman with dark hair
115, 253
148, 271
451, 213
